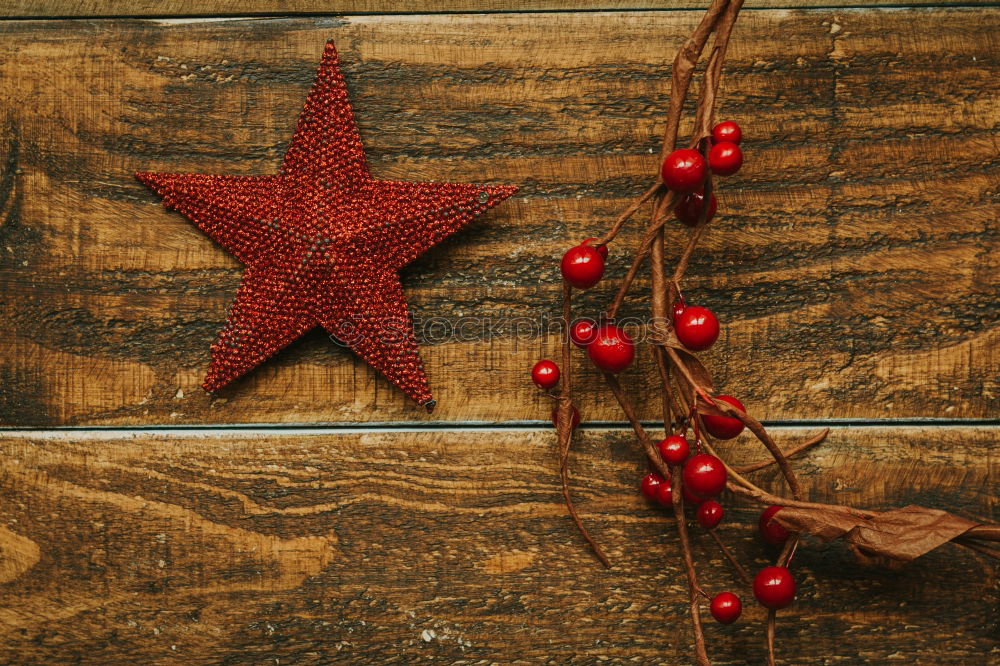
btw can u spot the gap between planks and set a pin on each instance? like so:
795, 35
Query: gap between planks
282, 429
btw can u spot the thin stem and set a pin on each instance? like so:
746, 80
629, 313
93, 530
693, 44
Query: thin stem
670, 405
771, 617
564, 429
728, 554
794, 451
651, 453
624, 217
640, 255
701, 654
763, 497
984, 532
683, 69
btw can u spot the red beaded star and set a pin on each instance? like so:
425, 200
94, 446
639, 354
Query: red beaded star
322, 242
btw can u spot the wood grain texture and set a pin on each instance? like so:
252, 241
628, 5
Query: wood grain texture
855, 267
453, 547
138, 8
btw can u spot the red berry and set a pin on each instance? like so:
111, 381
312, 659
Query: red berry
545, 374
665, 493
705, 475
583, 332
725, 158
678, 308
773, 532
575, 417
612, 349
726, 607
675, 450
724, 427
688, 209
710, 514
697, 328
690, 497
650, 486
683, 170
727, 131
601, 249
774, 587
582, 266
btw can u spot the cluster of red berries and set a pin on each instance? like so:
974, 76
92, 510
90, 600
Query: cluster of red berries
704, 477
697, 328
685, 171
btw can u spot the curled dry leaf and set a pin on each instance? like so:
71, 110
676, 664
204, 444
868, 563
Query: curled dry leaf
901, 534
698, 372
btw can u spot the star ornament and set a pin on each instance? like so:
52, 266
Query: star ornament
322, 243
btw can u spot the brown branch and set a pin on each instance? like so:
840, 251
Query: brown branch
763, 497
771, 617
984, 532
651, 453
755, 426
640, 255
732, 559
683, 69
695, 591
624, 217
564, 430
670, 404
794, 451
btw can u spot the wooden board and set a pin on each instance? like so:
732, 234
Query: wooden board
854, 264
407, 547
135, 8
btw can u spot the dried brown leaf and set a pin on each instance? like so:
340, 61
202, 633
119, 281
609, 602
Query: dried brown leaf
901, 534
696, 369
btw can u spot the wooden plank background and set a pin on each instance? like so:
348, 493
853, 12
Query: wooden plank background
854, 266
301, 548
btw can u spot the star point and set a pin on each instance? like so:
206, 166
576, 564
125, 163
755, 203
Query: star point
322, 242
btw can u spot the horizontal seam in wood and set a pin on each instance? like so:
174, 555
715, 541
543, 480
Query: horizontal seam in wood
8, 432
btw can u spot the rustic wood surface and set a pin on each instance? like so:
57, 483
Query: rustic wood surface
135, 8
390, 547
855, 267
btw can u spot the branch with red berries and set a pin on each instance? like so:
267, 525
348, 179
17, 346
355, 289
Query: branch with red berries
686, 468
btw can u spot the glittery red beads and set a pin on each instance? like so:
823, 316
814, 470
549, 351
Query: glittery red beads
322, 242
773, 532
675, 450
725, 158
